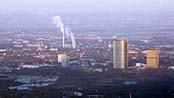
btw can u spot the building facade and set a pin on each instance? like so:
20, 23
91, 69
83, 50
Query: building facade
152, 58
63, 59
120, 53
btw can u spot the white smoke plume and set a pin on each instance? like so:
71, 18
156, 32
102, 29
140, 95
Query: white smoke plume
65, 30
58, 23
73, 40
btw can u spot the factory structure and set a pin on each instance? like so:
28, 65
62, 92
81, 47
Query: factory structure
68, 38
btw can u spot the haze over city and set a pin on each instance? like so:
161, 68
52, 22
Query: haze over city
86, 6
86, 49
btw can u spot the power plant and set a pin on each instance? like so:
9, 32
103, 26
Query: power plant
68, 38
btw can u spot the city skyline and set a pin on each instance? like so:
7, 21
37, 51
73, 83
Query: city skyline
86, 49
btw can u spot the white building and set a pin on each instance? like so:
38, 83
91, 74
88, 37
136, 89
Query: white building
120, 53
63, 59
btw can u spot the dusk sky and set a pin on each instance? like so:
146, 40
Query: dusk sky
86, 6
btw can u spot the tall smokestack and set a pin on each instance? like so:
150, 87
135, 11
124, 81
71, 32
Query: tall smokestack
58, 23
65, 31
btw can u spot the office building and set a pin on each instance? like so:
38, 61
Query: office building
120, 53
152, 58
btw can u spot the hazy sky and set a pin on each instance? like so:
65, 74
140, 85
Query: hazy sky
86, 6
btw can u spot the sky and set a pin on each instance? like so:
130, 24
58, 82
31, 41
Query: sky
86, 6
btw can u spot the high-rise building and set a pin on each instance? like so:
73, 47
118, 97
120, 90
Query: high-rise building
120, 53
152, 58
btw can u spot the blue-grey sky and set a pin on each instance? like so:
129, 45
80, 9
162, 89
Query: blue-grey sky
86, 6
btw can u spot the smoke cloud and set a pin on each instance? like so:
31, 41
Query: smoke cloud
73, 40
58, 23
64, 29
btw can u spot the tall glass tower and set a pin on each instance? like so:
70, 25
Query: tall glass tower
120, 53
